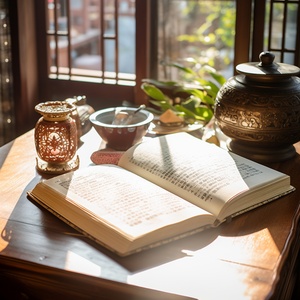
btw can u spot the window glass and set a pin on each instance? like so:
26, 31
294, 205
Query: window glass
276, 26
92, 38
85, 36
281, 24
291, 26
95, 39
201, 31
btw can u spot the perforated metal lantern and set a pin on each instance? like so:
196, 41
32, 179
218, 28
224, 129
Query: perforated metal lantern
56, 138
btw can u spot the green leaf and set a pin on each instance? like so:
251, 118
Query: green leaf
181, 67
191, 91
214, 74
153, 92
159, 83
191, 103
187, 112
208, 99
205, 112
211, 88
164, 105
219, 78
197, 93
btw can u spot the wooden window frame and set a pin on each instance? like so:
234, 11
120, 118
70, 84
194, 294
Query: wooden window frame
98, 94
31, 82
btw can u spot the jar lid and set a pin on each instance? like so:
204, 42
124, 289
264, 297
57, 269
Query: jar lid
267, 68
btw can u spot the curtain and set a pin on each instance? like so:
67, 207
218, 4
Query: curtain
7, 122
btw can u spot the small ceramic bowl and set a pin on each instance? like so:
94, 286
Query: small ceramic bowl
121, 137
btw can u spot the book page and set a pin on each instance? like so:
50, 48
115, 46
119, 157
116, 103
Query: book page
122, 199
202, 173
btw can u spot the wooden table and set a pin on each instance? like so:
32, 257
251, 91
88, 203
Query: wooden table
252, 257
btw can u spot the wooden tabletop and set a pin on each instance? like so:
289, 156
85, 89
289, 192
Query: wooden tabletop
252, 257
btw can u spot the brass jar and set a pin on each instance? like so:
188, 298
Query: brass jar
259, 110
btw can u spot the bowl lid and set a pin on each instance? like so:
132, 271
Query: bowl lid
267, 67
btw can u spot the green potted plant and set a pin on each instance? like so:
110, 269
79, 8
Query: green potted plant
193, 98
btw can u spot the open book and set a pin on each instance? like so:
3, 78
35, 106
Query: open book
162, 189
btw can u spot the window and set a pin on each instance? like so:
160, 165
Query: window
201, 30
87, 47
224, 33
103, 48
258, 25
91, 39
94, 40
281, 34
255, 25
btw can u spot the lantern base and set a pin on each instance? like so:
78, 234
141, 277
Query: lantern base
57, 168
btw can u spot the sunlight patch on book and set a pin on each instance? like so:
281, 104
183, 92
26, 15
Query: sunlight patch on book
158, 192
77, 263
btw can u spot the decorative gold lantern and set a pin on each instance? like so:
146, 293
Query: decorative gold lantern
56, 138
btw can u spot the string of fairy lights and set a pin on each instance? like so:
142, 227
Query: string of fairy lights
6, 82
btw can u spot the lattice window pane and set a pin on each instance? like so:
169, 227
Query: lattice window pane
92, 38
282, 21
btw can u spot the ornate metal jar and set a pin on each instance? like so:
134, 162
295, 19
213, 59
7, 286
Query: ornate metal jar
259, 110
